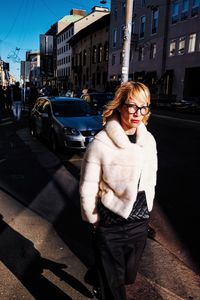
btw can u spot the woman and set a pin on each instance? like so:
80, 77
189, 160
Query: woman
119, 169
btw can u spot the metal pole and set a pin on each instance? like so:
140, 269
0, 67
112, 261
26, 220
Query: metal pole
127, 41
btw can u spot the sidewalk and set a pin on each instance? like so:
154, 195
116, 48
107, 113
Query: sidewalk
161, 274
28, 231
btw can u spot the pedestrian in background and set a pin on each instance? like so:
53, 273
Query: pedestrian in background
117, 187
32, 97
16, 96
8, 101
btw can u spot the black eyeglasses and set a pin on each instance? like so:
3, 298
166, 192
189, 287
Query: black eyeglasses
133, 108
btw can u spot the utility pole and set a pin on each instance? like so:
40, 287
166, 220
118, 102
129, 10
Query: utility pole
127, 41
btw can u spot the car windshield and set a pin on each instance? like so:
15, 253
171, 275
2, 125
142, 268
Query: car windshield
72, 109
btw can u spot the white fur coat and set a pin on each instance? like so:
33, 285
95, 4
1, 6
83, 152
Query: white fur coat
111, 169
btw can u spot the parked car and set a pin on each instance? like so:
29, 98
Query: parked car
187, 104
64, 122
98, 100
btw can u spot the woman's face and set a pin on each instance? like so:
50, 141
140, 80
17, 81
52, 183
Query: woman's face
132, 113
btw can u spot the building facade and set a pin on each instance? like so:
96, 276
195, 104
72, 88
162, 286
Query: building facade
5, 78
66, 29
182, 64
90, 55
34, 73
160, 29
164, 50
64, 61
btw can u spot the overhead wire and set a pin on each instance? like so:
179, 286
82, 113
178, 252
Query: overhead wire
13, 23
29, 9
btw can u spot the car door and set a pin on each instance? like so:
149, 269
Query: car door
46, 120
36, 116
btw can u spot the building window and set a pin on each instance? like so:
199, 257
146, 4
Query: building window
181, 46
175, 7
100, 53
114, 38
115, 13
185, 9
80, 58
198, 48
131, 55
141, 54
122, 34
106, 53
153, 51
172, 48
87, 74
113, 60
123, 8
105, 77
84, 79
76, 60
192, 42
143, 2
94, 55
142, 26
98, 78
154, 22
133, 28
84, 57
120, 58
93, 80
195, 7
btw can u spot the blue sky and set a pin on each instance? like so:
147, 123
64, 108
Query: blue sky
22, 22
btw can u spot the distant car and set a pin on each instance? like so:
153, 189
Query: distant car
64, 122
187, 104
98, 100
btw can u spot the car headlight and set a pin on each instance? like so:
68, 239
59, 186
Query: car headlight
71, 131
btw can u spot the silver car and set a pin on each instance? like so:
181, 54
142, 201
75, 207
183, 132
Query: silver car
64, 122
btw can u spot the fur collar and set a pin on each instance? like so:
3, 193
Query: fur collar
116, 133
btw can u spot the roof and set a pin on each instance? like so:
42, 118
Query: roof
93, 27
66, 21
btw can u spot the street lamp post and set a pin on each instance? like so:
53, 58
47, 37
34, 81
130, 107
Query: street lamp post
127, 41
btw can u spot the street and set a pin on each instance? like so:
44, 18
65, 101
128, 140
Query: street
54, 247
178, 143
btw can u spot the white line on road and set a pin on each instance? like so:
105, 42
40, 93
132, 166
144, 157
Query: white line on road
175, 118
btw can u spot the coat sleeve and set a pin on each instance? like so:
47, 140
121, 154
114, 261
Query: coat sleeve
89, 184
151, 176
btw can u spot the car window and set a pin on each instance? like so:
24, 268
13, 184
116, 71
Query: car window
72, 109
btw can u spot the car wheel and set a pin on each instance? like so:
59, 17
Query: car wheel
53, 142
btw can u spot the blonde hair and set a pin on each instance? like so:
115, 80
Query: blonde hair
133, 89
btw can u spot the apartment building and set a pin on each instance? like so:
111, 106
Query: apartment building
183, 49
90, 55
48, 64
34, 76
148, 39
164, 51
4, 73
66, 29
64, 75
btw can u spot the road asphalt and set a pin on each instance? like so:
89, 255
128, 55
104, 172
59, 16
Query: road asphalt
44, 252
